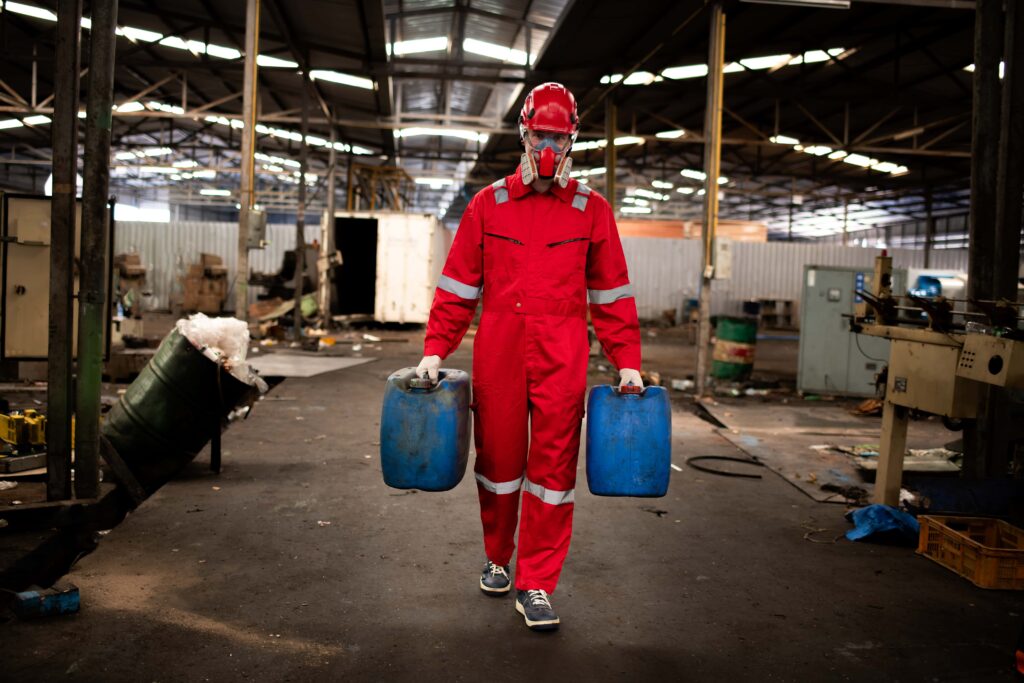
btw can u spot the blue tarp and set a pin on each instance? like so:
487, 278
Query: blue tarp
882, 523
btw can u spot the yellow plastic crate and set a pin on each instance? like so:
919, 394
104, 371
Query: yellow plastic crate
987, 552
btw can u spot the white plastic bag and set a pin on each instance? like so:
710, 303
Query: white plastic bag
222, 340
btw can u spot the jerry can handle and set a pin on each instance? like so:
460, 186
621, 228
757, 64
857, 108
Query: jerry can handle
421, 383
631, 389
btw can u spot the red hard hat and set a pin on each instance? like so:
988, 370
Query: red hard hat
549, 107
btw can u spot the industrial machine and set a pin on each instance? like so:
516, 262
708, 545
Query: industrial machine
834, 359
940, 358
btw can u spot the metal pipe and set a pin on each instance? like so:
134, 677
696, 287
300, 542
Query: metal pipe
93, 314
610, 160
1010, 175
64, 130
252, 44
300, 218
712, 163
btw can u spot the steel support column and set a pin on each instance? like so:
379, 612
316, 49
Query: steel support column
611, 113
300, 216
64, 129
712, 163
327, 233
988, 44
93, 315
252, 44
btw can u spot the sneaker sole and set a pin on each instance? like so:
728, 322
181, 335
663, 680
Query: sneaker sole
495, 592
547, 625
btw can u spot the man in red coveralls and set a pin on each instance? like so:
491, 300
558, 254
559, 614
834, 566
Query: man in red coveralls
535, 245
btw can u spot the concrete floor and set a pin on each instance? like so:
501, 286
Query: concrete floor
298, 564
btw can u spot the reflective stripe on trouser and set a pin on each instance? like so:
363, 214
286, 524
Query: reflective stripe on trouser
528, 408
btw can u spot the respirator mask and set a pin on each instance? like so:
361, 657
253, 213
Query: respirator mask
546, 160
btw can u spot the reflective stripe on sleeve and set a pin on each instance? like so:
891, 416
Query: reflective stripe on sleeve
549, 496
502, 487
610, 296
463, 291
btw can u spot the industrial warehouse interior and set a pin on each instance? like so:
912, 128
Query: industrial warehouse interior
429, 340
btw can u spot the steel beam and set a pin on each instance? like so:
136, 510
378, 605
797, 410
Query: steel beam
300, 220
64, 129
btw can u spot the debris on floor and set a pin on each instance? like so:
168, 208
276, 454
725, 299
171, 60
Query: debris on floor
883, 524
46, 602
871, 406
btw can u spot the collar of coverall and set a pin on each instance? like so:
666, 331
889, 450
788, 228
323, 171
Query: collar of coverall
517, 189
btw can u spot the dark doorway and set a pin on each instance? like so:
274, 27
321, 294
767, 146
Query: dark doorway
355, 282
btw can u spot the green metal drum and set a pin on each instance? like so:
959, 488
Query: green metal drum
171, 410
733, 357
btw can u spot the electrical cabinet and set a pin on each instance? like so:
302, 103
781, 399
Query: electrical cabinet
833, 360
25, 277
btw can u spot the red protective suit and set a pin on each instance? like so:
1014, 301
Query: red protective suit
535, 258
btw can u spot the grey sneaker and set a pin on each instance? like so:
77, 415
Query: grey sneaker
494, 580
536, 608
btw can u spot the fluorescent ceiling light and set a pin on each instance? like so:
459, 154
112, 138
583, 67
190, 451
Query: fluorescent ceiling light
684, 190
30, 11
10, 123
1002, 69
213, 192
635, 209
185, 163
37, 120
169, 108
670, 134
129, 107
434, 181
662, 185
409, 47
681, 72
125, 156
600, 144
692, 174
222, 51
86, 23
136, 34
640, 192
783, 140
859, 160
769, 62
838, 154
824, 4
268, 61
817, 150
470, 135
340, 78
499, 52
158, 169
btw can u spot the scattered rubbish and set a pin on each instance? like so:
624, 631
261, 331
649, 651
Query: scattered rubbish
370, 338
602, 368
6, 485
357, 347
650, 379
682, 384
883, 524
812, 531
299, 417
404, 493
676, 467
46, 602
367, 456
855, 495
691, 461
268, 342
871, 406
326, 342
321, 522
222, 340
755, 392
654, 511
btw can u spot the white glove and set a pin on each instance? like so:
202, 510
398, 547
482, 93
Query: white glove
428, 367
629, 376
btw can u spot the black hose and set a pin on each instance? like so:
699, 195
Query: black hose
724, 473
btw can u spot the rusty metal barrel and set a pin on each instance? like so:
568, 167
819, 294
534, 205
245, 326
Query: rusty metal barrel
172, 409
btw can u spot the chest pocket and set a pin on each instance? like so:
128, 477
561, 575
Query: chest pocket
563, 260
503, 255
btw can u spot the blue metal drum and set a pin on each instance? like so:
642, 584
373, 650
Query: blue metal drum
424, 430
629, 441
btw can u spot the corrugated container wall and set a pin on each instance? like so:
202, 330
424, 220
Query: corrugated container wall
167, 249
665, 272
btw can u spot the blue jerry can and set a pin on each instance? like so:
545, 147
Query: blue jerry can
424, 430
629, 441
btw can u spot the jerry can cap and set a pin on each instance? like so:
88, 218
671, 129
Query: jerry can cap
631, 389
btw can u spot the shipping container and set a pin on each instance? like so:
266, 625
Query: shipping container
391, 262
